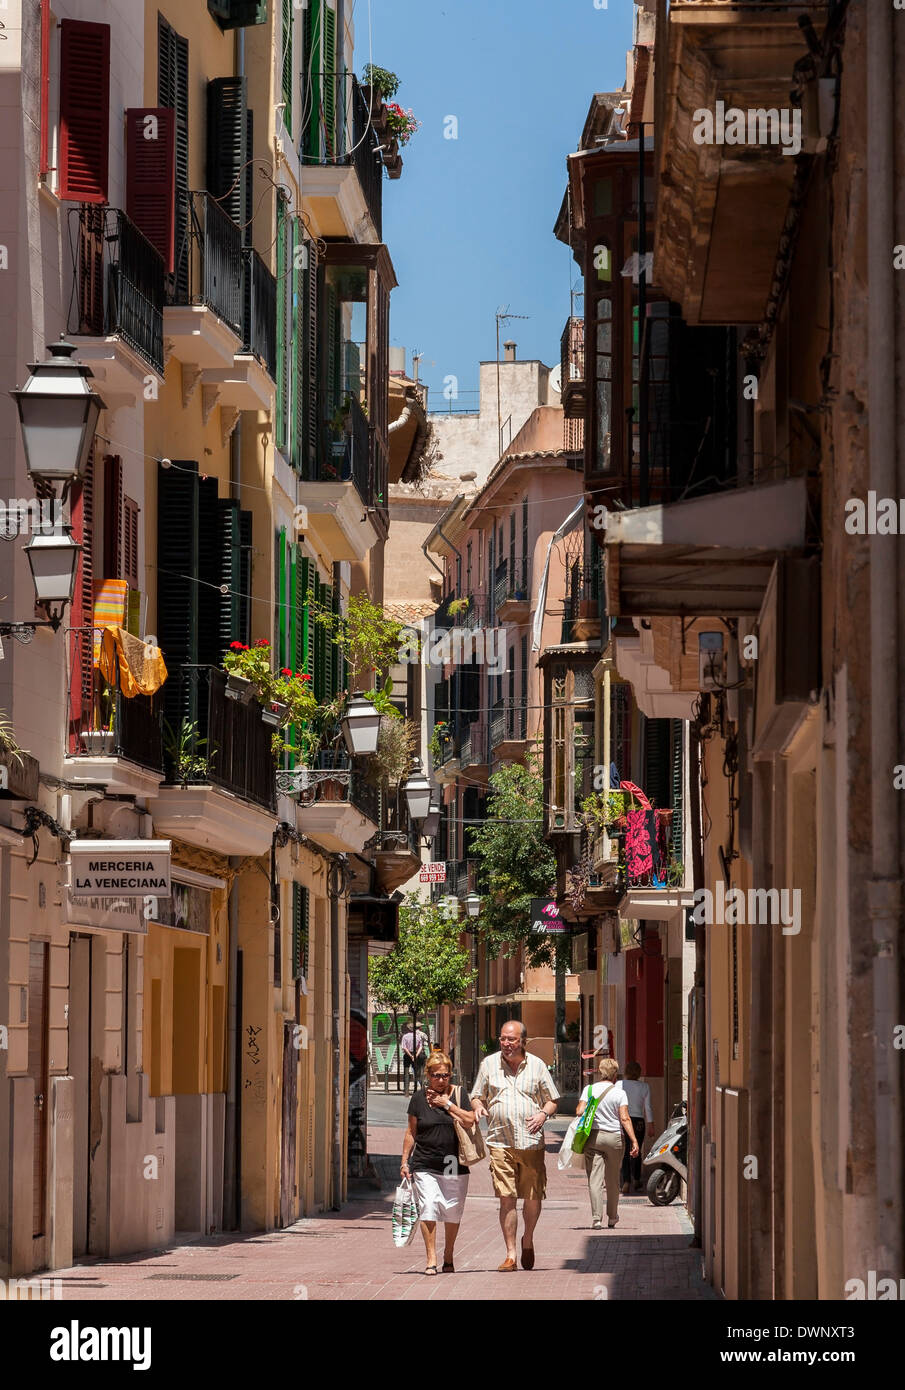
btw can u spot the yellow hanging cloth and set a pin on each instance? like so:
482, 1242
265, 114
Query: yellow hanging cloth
135, 666
109, 609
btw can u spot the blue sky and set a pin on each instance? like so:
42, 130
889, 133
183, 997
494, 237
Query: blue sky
470, 222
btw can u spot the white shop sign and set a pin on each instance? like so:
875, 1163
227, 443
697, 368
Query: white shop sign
119, 868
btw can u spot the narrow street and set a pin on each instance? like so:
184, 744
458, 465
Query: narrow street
349, 1255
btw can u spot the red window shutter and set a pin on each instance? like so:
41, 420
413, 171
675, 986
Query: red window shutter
81, 687
131, 512
84, 111
151, 177
113, 517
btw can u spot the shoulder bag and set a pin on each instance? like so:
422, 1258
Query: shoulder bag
471, 1141
586, 1123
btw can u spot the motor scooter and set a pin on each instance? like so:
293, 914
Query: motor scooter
667, 1160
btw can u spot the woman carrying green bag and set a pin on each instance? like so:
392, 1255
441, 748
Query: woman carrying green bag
604, 1110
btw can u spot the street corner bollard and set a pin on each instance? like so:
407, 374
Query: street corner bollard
386, 1078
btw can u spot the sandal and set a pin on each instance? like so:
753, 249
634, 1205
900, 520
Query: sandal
448, 1267
431, 1270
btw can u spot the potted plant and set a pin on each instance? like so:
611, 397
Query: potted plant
99, 740
378, 84
182, 750
276, 713
246, 668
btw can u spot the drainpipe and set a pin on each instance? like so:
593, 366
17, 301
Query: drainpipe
885, 885
458, 555
432, 562
337, 1050
699, 1080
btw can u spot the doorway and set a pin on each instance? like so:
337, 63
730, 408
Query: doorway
38, 960
80, 1071
288, 1188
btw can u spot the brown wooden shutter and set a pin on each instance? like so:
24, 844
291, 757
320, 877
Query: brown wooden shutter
83, 602
84, 111
131, 512
151, 177
113, 516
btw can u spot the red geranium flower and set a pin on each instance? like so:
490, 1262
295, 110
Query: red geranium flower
303, 677
285, 671
236, 647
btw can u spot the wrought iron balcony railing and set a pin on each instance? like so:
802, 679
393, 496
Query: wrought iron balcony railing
259, 321
210, 262
347, 456
349, 785
473, 744
339, 130
572, 367
511, 582
102, 721
119, 289
213, 739
508, 721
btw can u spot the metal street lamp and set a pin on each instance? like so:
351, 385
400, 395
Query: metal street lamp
53, 560
432, 819
58, 414
360, 725
473, 905
417, 793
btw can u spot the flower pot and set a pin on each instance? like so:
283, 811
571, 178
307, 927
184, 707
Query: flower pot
98, 742
274, 714
238, 688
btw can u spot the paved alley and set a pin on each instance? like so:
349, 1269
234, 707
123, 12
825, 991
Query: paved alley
349, 1255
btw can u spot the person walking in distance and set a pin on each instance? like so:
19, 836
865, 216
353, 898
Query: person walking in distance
603, 1151
641, 1115
516, 1093
414, 1055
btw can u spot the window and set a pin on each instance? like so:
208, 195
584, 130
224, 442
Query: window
173, 92
151, 177
320, 135
84, 111
603, 338
288, 67
300, 922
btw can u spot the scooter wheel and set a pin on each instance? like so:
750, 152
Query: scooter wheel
663, 1186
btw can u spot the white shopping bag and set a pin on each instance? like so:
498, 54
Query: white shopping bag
567, 1158
405, 1214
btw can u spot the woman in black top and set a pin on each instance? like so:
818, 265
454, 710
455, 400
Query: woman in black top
430, 1157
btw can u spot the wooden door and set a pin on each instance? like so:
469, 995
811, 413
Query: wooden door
288, 1186
38, 954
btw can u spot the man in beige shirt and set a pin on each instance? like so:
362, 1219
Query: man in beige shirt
516, 1093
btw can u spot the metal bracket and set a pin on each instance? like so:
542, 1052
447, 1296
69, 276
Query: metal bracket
302, 779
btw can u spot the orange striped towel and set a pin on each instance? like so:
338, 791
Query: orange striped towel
109, 609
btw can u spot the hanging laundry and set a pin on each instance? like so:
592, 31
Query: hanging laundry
134, 666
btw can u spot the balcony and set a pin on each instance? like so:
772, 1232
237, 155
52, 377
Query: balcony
111, 739
509, 729
116, 309
720, 205
512, 590
573, 386
342, 185
655, 882
583, 606
248, 383
340, 811
238, 14
206, 331
340, 507
398, 853
474, 753
219, 790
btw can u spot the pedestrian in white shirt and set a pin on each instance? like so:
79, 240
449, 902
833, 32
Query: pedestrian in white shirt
642, 1115
603, 1151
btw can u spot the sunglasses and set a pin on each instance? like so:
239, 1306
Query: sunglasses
442, 1074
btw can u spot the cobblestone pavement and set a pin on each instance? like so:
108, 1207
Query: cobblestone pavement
349, 1255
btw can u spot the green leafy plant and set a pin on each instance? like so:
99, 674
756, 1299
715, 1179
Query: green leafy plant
9, 747
401, 124
514, 863
602, 809
396, 745
438, 740
368, 639
286, 687
426, 968
459, 605
182, 748
380, 80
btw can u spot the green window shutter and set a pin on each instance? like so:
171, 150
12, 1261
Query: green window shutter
335, 653
227, 145
329, 648
173, 92
310, 385
320, 646
249, 177
281, 599
177, 587
219, 567
334, 365
293, 603
283, 323
303, 628
300, 912
288, 65
313, 32
330, 82
298, 274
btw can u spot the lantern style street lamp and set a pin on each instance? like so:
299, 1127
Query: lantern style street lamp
53, 560
58, 414
360, 725
432, 819
473, 905
417, 793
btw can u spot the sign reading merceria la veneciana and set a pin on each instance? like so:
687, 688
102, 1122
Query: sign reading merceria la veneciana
120, 868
